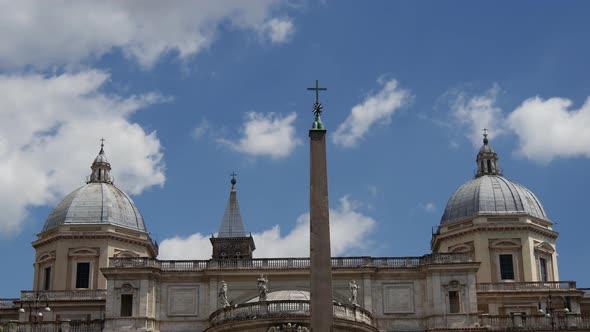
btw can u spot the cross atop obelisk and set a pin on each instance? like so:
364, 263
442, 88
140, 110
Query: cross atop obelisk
317, 90
321, 307
317, 107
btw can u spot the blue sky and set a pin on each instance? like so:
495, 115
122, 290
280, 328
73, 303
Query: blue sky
185, 95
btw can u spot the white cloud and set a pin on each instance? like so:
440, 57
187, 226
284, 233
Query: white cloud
373, 190
266, 135
44, 33
478, 112
376, 108
548, 129
279, 30
201, 129
49, 131
429, 207
195, 246
349, 232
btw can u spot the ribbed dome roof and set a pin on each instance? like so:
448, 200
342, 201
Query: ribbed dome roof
101, 158
492, 195
96, 203
285, 295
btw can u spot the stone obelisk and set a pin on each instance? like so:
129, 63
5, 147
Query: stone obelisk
322, 312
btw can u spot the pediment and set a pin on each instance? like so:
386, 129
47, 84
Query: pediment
83, 252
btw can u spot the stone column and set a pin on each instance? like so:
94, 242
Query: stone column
322, 312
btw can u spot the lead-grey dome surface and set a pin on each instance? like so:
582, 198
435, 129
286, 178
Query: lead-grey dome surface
285, 295
96, 203
492, 195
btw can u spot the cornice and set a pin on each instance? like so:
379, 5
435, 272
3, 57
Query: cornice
487, 227
94, 235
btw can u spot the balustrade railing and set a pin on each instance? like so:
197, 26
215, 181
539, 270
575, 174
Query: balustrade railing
531, 285
354, 313
286, 263
7, 303
282, 308
73, 326
567, 321
78, 294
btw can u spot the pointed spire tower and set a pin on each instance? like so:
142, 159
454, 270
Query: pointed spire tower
232, 240
487, 159
322, 312
101, 169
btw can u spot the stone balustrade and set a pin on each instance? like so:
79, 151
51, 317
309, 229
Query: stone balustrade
286, 263
78, 294
526, 286
285, 308
7, 303
61, 326
562, 321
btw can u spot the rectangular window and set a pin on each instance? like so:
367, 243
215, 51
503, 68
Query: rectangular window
126, 305
47, 279
454, 303
543, 268
506, 267
82, 275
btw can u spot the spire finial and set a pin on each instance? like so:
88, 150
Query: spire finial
233, 180
485, 135
102, 145
317, 107
317, 90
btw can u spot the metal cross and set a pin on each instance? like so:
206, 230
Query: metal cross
233, 175
485, 132
102, 141
317, 90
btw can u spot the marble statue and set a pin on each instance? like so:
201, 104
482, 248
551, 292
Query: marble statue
223, 295
262, 288
353, 292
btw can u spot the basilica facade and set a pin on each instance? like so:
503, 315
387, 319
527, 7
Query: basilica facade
493, 266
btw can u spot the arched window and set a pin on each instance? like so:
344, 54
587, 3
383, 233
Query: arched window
489, 166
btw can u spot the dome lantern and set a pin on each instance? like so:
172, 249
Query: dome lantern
487, 159
101, 169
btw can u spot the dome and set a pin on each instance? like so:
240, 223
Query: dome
96, 203
486, 148
492, 195
101, 158
285, 295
